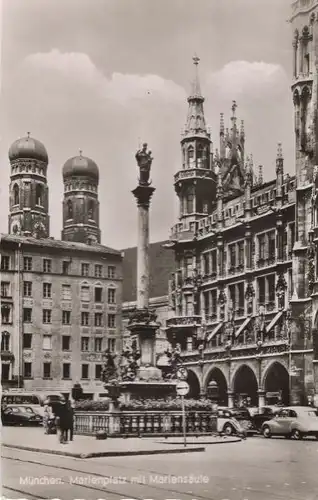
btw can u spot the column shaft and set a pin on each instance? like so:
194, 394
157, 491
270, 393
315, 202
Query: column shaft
143, 258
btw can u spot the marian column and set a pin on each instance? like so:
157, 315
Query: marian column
142, 321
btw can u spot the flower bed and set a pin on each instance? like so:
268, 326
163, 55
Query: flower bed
89, 405
171, 404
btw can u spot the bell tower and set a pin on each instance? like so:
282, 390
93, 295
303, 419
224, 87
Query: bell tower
29, 192
80, 203
303, 330
195, 184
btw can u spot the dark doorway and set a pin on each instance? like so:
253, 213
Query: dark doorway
277, 385
216, 376
194, 391
245, 387
5, 372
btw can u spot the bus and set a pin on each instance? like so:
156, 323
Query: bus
33, 399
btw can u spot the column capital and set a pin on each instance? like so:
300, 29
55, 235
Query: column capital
143, 195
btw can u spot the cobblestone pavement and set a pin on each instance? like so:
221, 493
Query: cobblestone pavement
255, 469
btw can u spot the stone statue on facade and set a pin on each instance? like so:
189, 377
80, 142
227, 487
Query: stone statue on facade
144, 161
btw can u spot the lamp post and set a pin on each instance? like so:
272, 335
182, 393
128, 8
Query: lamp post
201, 365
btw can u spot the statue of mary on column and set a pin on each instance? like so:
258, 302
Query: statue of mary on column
144, 161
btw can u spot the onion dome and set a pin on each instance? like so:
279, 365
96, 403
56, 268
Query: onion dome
80, 165
28, 148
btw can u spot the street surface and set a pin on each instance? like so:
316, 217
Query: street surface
255, 469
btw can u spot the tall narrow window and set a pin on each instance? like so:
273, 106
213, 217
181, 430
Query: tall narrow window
5, 341
16, 195
91, 210
261, 291
70, 209
190, 154
39, 195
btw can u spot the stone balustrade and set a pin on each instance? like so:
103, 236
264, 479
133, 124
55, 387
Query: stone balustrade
180, 321
143, 422
193, 172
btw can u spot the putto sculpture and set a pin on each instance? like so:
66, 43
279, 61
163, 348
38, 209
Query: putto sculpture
144, 161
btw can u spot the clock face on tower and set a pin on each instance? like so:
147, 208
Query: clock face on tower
15, 227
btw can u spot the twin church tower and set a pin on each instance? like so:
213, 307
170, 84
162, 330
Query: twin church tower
29, 194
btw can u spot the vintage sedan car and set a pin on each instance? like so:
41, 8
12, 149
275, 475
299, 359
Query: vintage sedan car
292, 422
242, 416
228, 424
261, 415
20, 415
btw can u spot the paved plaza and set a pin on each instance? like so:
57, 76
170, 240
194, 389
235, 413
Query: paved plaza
254, 469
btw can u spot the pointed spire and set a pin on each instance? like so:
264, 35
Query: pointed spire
234, 107
279, 160
28, 135
260, 175
196, 88
219, 186
242, 131
249, 171
279, 151
221, 123
196, 120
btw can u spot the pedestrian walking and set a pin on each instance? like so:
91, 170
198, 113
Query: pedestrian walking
61, 422
69, 421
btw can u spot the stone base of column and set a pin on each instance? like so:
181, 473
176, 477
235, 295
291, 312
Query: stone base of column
261, 398
230, 396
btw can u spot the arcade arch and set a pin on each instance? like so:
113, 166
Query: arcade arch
245, 387
217, 376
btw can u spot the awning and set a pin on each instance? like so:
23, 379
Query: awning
243, 325
274, 321
214, 332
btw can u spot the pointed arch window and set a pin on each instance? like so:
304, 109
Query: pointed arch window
39, 195
189, 202
16, 195
190, 155
5, 341
69, 209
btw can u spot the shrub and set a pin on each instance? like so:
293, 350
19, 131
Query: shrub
171, 404
89, 405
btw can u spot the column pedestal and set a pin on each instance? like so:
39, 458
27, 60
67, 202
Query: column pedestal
261, 399
230, 396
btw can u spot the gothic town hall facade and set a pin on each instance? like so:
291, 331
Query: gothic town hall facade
244, 293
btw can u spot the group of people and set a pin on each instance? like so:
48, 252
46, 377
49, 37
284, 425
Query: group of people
60, 416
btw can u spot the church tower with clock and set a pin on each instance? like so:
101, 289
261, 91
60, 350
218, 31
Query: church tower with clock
29, 200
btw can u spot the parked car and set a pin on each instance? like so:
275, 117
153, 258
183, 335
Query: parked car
228, 424
20, 415
241, 415
261, 415
293, 422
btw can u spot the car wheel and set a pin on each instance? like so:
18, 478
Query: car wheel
296, 434
228, 430
267, 432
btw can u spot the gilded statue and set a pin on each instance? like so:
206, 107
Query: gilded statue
144, 161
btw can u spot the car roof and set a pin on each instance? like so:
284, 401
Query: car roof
298, 408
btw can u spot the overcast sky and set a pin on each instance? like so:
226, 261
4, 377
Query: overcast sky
103, 75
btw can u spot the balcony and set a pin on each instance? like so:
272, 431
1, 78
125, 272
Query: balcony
193, 172
183, 322
206, 278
